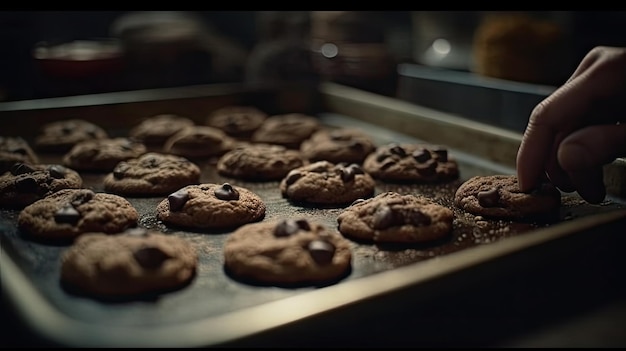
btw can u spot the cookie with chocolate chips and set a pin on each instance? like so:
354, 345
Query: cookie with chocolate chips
155, 130
132, 263
199, 142
237, 121
499, 196
13, 150
61, 136
102, 155
259, 162
289, 130
391, 217
349, 145
26, 183
408, 162
287, 252
151, 174
69, 213
326, 183
211, 206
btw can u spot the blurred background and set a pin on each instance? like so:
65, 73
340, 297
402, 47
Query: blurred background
427, 57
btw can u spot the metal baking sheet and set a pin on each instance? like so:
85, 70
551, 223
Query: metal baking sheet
215, 310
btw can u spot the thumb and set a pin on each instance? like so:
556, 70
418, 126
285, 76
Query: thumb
592, 146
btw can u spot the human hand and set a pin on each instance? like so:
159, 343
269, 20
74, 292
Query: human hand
576, 130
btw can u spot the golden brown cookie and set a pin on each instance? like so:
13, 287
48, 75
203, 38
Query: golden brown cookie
408, 162
346, 144
287, 252
289, 130
391, 217
15, 149
323, 182
151, 174
259, 162
61, 136
237, 121
211, 206
155, 130
69, 213
102, 155
26, 183
499, 196
199, 142
133, 263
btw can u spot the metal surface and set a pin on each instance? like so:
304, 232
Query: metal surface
218, 310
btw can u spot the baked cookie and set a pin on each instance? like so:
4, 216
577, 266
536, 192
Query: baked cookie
199, 142
155, 130
499, 196
61, 136
68, 213
323, 182
349, 145
289, 130
259, 162
391, 217
237, 121
102, 155
408, 162
211, 206
15, 149
287, 252
151, 174
26, 183
135, 262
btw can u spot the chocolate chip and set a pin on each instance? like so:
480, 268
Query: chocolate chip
82, 197
226, 192
150, 257
150, 161
427, 169
442, 154
356, 146
26, 184
383, 217
382, 155
398, 150
489, 198
177, 200
292, 177
321, 251
57, 171
286, 228
303, 224
421, 155
416, 217
120, 170
67, 214
349, 172
387, 164
21, 168
357, 201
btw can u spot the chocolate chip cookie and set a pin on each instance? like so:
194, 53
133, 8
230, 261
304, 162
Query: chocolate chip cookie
211, 206
15, 149
411, 163
69, 213
499, 196
61, 136
259, 162
26, 183
102, 155
289, 130
349, 145
129, 264
287, 252
199, 142
237, 121
323, 182
151, 174
391, 217
155, 130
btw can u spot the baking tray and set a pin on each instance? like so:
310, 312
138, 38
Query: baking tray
214, 310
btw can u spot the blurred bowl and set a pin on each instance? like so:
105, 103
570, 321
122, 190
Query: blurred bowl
79, 58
